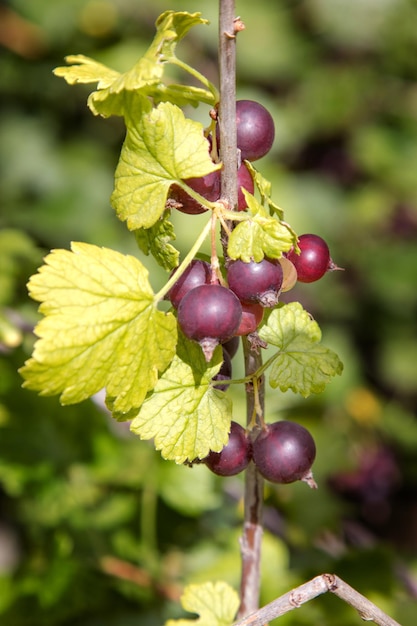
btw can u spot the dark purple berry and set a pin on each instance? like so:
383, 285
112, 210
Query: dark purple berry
225, 371
207, 186
252, 315
256, 282
314, 258
255, 129
232, 346
284, 452
245, 180
235, 455
197, 273
209, 314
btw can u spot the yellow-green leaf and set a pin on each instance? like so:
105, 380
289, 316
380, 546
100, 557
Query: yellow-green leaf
185, 415
302, 363
216, 603
145, 76
85, 70
161, 148
260, 235
100, 328
155, 240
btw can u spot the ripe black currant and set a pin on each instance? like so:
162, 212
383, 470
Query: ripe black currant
284, 452
209, 314
232, 345
255, 129
235, 455
197, 273
245, 180
225, 371
207, 186
314, 258
252, 315
256, 282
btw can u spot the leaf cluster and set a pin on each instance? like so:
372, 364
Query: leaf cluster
102, 328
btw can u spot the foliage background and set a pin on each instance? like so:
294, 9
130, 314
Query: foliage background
94, 527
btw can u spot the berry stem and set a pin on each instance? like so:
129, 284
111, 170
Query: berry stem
185, 262
200, 77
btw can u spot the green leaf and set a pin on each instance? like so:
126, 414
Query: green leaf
144, 77
155, 241
302, 363
185, 415
260, 235
216, 603
101, 328
161, 147
86, 70
264, 187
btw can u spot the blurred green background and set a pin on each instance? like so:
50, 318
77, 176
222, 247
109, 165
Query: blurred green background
94, 528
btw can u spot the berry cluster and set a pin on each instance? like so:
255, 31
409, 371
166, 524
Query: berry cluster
283, 453
213, 308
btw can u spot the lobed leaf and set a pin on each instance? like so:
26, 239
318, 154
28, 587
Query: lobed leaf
216, 604
264, 187
302, 363
185, 415
101, 328
144, 77
260, 235
161, 147
155, 240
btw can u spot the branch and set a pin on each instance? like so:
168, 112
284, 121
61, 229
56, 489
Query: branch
251, 539
367, 610
227, 106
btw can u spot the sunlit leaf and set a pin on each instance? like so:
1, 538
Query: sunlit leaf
144, 77
185, 415
264, 187
260, 235
302, 363
216, 604
161, 147
155, 240
101, 328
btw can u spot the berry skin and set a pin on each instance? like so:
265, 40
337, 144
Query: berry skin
232, 345
197, 273
245, 180
284, 452
256, 282
255, 129
252, 315
225, 371
207, 186
235, 455
209, 314
314, 259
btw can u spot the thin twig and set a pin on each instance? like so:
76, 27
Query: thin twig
227, 105
367, 610
252, 528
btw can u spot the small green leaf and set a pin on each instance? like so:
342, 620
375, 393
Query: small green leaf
264, 187
86, 70
260, 235
216, 604
155, 241
101, 328
161, 148
144, 77
302, 363
185, 415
